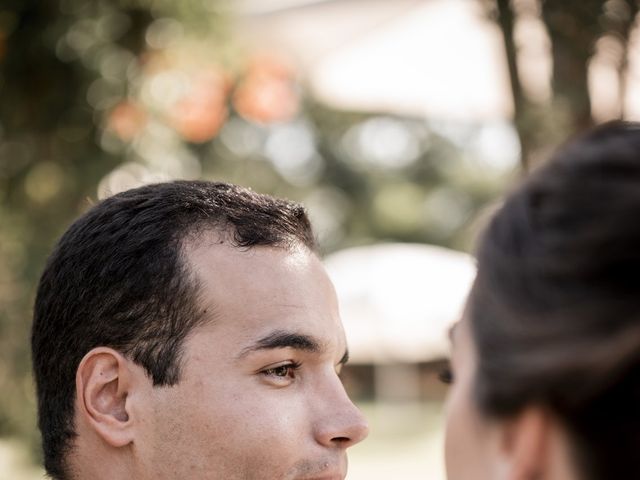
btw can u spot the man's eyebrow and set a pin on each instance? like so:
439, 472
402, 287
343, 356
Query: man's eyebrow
284, 339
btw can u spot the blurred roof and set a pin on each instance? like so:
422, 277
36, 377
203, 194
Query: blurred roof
437, 58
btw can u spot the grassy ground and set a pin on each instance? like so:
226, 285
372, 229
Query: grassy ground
405, 442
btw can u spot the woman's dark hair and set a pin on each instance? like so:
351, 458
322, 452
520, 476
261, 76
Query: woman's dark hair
118, 278
555, 308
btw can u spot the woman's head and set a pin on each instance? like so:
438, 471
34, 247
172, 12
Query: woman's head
548, 355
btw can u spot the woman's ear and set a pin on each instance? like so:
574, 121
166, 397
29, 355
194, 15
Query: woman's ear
103, 384
525, 444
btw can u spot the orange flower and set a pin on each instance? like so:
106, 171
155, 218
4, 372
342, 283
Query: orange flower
127, 120
198, 121
268, 92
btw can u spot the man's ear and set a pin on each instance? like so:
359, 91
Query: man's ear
103, 382
525, 442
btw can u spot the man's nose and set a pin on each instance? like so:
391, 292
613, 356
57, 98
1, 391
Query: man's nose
342, 423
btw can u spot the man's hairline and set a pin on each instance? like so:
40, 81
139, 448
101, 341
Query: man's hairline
224, 234
196, 239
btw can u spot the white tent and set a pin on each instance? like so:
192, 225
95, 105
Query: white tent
398, 301
435, 58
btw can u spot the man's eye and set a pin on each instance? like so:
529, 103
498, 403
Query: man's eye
282, 372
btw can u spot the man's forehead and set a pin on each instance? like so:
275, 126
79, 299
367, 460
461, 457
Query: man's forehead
219, 262
295, 325
267, 296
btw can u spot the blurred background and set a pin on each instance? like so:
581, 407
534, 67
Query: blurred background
397, 123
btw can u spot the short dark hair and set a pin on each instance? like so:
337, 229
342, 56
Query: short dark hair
555, 308
118, 278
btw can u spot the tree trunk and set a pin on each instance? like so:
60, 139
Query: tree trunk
625, 29
506, 22
573, 28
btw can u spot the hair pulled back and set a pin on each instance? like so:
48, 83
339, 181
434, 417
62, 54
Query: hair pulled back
555, 308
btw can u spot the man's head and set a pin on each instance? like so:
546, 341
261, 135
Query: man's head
188, 330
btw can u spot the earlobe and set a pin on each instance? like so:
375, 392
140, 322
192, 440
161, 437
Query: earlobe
525, 444
103, 381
